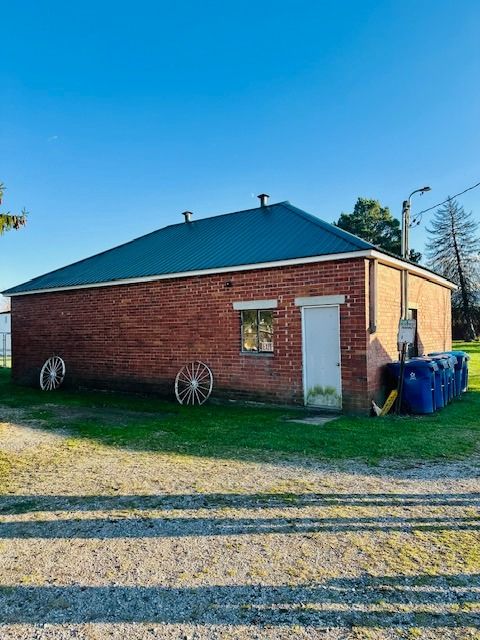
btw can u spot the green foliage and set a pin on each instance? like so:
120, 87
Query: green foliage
453, 250
414, 256
375, 224
9, 220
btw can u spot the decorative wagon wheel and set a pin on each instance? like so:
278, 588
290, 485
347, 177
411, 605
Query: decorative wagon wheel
193, 383
52, 373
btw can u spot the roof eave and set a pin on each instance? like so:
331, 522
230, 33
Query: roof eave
365, 253
405, 265
199, 272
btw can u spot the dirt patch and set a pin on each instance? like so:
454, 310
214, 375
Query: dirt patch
108, 415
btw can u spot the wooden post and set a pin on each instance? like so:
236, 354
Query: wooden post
400, 379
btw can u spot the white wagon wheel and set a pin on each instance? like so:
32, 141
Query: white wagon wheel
193, 383
52, 373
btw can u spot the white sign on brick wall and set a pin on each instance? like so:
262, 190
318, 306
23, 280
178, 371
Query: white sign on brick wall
406, 331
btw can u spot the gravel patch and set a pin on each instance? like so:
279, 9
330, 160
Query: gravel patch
18, 435
99, 542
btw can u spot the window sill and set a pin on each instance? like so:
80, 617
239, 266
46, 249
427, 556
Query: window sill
257, 354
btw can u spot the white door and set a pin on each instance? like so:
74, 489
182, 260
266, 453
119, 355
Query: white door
322, 379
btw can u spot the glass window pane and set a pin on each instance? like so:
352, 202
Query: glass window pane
249, 331
265, 330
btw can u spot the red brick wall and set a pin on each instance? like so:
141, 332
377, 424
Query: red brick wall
433, 303
139, 335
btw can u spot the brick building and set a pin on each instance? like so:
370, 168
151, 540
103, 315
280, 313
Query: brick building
282, 306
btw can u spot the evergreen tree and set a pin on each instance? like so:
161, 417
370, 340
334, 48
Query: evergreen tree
453, 250
10, 220
374, 223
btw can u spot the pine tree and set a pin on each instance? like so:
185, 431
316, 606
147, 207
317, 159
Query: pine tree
374, 223
453, 250
10, 220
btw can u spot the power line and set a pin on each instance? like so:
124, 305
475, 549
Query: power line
417, 218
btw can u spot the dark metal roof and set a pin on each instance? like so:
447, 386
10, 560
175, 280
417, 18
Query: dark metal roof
264, 234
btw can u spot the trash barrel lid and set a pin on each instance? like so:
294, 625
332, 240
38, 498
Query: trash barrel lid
446, 354
453, 352
422, 362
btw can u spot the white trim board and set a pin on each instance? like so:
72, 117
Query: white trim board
367, 253
319, 301
255, 304
203, 272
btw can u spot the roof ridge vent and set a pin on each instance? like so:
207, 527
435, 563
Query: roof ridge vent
188, 216
263, 197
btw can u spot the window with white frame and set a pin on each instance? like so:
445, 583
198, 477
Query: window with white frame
257, 331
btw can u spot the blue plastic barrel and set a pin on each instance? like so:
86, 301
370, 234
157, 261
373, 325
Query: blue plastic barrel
462, 365
418, 384
439, 380
451, 380
461, 370
446, 379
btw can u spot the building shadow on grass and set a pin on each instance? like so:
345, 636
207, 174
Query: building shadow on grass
247, 433
384, 601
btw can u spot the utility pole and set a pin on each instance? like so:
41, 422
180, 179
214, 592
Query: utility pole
405, 249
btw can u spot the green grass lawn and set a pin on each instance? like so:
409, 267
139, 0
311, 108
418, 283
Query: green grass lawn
254, 432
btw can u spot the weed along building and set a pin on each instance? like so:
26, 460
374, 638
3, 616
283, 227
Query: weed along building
281, 306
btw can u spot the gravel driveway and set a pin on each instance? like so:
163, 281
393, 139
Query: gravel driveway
100, 542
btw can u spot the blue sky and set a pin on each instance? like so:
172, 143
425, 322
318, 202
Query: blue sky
116, 117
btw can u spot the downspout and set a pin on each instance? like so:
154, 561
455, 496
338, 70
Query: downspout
372, 318
372, 295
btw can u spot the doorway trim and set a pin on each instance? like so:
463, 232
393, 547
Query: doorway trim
304, 376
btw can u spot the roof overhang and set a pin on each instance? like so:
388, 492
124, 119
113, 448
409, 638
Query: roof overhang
415, 269
366, 253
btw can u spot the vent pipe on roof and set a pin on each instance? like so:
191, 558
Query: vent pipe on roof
188, 216
263, 197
